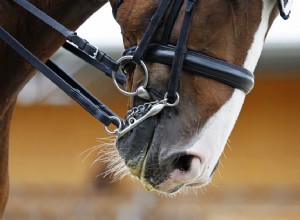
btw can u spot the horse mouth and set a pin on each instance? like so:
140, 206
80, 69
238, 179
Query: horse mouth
133, 147
141, 150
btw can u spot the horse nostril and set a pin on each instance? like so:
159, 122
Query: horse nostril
185, 169
183, 163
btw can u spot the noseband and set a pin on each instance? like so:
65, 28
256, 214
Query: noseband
178, 57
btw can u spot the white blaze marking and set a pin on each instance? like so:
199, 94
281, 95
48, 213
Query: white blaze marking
209, 144
259, 37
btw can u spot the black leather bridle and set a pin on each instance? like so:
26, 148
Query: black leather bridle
177, 57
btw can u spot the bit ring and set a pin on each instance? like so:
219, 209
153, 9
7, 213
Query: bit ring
176, 101
144, 85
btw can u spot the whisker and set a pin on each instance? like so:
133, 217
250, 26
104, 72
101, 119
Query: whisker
221, 163
224, 155
90, 152
194, 191
213, 184
87, 150
105, 152
201, 189
109, 138
220, 173
229, 144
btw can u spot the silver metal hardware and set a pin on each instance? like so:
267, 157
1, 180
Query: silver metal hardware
141, 91
117, 129
172, 104
133, 117
95, 53
133, 122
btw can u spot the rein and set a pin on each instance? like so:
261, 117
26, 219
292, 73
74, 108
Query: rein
178, 57
66, 83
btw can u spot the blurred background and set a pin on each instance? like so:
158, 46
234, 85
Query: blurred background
259, 175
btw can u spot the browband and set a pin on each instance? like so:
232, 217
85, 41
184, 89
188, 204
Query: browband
200, 64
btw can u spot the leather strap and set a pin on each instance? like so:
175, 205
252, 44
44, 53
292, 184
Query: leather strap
151, 30
44, 17
170, 21
179, 57
180, 50
202, 65
103, 65
64, 82
72, 36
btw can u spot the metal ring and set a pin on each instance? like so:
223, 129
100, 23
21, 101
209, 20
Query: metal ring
117, 129
175, 103
145, 81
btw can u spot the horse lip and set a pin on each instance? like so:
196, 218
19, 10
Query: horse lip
150, 187
175, 189
198, 184
144, 160
135, 156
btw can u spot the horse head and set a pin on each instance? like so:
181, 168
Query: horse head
180, 147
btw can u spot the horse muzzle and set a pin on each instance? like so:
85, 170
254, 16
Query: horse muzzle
153, 153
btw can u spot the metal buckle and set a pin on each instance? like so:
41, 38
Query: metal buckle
95, 54
141, 90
